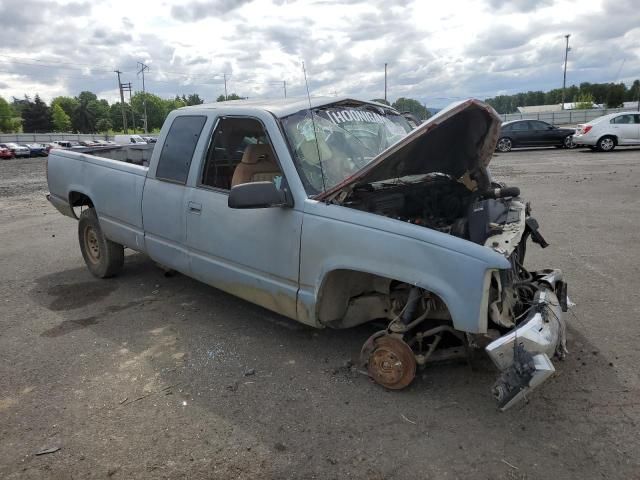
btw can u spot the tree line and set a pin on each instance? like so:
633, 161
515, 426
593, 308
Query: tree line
612, 95
86, 113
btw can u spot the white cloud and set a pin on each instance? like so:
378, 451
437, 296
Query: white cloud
436, 51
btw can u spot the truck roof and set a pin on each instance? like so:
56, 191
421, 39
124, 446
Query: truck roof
282, 107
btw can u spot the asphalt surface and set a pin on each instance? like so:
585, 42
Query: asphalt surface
147, 376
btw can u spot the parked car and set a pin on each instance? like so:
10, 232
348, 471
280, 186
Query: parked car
606, 132
150, 139
129, 139
533, 133
5, 153
62, 143
17, 150
37, 149
88, 143
332, 231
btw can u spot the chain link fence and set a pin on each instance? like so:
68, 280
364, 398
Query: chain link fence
563, 117
50, 137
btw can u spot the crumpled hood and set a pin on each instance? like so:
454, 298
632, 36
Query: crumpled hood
458, 141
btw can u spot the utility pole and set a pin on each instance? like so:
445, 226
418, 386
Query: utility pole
284, 87
126, 87
564, 78
143, 67
224, 75
385, 82
124, 115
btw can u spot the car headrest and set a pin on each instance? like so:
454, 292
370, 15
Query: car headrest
257, 153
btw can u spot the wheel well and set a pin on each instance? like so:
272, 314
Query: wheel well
615, 138
349, 297
78, 199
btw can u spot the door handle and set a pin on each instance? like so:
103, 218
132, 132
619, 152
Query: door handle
195, 207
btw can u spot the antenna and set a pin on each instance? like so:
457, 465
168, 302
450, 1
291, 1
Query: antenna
313, 123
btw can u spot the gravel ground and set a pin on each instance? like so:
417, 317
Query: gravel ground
144, 376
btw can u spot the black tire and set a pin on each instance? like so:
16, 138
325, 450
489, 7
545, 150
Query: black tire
606, 143
504, 144
103, 257
568, 142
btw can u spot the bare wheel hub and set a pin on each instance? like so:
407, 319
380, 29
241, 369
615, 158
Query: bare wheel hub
91, 242
391, 363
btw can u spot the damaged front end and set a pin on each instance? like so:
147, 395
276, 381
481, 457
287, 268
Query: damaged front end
436, 177
524, 354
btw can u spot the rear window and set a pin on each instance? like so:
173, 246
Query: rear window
178, 148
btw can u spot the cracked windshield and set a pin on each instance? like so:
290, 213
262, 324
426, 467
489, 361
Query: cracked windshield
348, 138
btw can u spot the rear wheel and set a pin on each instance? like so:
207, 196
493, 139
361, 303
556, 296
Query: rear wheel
606, 143
504, 144
103, 257
568, 142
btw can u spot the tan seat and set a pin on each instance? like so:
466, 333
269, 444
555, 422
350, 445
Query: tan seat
257, 165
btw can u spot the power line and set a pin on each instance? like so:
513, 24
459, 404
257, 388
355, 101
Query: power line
143, 67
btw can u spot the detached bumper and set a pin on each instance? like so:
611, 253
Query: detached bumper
524, 354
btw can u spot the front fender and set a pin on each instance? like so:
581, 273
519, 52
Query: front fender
458, 271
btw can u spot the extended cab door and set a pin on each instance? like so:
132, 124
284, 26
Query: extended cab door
252, 253
164, 204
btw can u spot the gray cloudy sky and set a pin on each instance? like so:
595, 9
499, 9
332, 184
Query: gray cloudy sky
436, 51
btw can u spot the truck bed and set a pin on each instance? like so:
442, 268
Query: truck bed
113, 187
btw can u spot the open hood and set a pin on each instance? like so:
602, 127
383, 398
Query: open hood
457, 141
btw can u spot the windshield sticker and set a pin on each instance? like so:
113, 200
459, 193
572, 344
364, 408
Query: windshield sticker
342, 116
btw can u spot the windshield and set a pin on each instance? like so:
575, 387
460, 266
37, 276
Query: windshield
348, 138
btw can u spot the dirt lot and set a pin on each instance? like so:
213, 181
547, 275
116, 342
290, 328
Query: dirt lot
144, 376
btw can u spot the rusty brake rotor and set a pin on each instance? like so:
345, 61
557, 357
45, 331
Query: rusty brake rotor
391, 363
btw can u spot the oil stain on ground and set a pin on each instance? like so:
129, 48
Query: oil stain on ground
69, 326
77, 295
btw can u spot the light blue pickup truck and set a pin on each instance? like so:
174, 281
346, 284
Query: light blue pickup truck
336, 212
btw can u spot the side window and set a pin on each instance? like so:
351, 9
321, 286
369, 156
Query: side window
623, 119
636, 118
507, 128
239, 152
536, 125
521, 126
178, 148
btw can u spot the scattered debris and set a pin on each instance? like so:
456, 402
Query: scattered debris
507, 463
233, 387
249, 372
124, 400
280, 447
405, 418
48, 450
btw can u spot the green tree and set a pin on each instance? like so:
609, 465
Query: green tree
634, 91
9, 121
36, 117
233, 96
174, 104
412, 106
61, 122
192, 99
104, 125
115, 116
156, 109
615, 95
584, 101
68, 104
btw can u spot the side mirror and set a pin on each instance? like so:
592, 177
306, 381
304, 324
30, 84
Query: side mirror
258, 195
551, 127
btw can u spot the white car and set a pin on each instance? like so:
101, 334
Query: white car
606, 132
129, 139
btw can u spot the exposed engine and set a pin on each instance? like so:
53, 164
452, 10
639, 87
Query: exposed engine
495, 218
